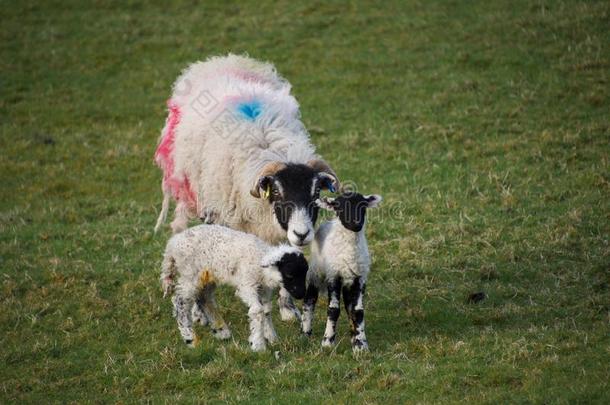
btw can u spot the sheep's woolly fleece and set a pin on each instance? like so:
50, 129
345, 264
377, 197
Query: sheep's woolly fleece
228, 117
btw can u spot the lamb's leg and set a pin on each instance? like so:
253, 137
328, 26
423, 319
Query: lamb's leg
309, 305
353, 298
269, 330
256, 313
334, 301
198, 313
182, 313
207, 304
288, 311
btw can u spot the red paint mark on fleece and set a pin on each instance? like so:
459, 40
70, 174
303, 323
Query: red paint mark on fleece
179, 186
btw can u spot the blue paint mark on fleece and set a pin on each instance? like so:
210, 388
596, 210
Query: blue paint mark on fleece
250, 110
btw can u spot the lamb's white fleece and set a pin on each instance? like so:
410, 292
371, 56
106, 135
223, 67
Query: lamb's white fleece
201, 257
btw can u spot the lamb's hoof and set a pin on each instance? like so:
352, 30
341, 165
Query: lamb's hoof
222, 334
290, 314
258, 346
359, 346
328, 341
192, 343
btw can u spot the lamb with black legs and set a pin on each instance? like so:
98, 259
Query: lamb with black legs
340, 261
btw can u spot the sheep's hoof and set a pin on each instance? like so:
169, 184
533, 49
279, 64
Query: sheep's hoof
192, 343
258, 346
328, 341
222, 334
360, 346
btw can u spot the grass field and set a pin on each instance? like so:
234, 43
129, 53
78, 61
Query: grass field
484, 124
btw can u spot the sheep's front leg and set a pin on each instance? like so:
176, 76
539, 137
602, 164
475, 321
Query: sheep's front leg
181, 218
269, 330
288, 311
353, 297
256, 313
182, 313
334, 301
309, 306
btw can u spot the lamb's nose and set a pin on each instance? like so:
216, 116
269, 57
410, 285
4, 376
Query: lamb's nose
301, 236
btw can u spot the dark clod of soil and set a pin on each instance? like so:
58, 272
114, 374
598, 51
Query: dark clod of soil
477, 297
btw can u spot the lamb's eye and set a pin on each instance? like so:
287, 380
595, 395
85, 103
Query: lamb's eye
317, 191
276, 192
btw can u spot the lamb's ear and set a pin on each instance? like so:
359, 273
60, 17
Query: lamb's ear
373, 200
265, 177
326, 203
331, 181
274, 256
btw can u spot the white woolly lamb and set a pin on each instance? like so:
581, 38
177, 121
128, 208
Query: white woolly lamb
196, 260
340, 260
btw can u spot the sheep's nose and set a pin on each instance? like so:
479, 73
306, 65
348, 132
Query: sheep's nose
301, 236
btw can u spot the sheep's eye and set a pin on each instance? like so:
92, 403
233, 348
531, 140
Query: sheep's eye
276, 192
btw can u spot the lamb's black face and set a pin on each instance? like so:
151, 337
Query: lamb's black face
351, 210
293, 268
292, 192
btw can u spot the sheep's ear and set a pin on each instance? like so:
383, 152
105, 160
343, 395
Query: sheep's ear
265, 177
373, 200
331, 181
326, 203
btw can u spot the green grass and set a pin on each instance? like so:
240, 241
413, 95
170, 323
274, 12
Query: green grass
484, 124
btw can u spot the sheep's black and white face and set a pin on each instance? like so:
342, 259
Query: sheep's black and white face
351, 208
293, 268
292, 191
